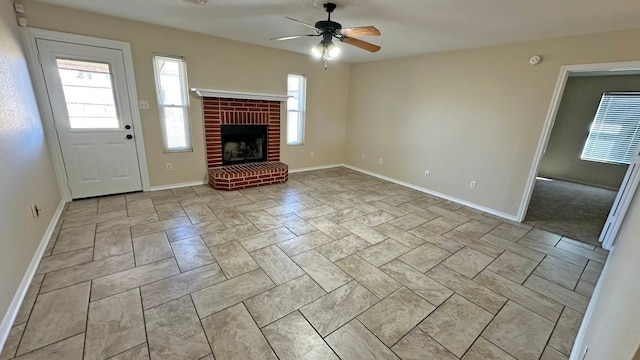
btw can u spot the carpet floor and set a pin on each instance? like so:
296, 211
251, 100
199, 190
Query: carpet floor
573, 210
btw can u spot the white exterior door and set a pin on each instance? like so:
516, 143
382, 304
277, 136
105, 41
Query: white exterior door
90, 103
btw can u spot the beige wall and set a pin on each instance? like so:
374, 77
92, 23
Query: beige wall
27, 173
612, 332
578, 107
465, 115
215, 63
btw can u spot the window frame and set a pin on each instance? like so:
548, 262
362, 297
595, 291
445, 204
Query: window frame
591, 145
185, 97
302, 104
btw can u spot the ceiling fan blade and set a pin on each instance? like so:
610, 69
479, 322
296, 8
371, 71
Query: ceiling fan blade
293, 37
361, 31
303, 23
361, 44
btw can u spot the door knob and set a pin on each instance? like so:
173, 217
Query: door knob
127, 127
129, 137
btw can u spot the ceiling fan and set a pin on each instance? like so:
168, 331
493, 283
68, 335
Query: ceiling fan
328, 30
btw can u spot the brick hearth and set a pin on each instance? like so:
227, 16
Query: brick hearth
219, 111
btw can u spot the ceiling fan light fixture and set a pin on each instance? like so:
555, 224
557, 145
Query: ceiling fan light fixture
318, 50
332, 50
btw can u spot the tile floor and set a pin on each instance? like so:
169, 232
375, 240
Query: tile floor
333, 264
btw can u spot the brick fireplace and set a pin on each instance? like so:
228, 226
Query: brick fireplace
219, 111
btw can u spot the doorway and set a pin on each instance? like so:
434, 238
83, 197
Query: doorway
86, 91
586, 174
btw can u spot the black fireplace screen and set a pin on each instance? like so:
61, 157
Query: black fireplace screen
243, 143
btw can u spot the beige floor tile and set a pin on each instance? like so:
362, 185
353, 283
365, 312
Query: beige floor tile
288, 208
233, 334
513, 267
543, 236
198, 214
29, 300
151, 248
115, 324
191, 253
174, 331
441, 225
425, 256
140, 352
399, 235
295, 224
474, 243
558, 293
474, 228
260, 240
552, 354
363, 231
111, 243
398, 200
428, 289
422, 212
592, 272
368, 275
12, 342
526, 297
483, 350
158, 226
417, 345
554, 251
140, 207
230, 217
337, 308
559, 272
227, 293
56, 315
276, 264
75, 238
408, 221
234, 233
67, 349
468, 262
329, 228
257, 205
281, 300
126, 222
376, 218
111, 203
231, 199
342, 248
304, 243
469, 289
314, 212
513, 247
396, 315
233, 259
436, 239
509, 232
456, 324
322, 270
64, 260
580, 250
353, 341
292, 338
190, 231
585, 288
520, 332
177, 286
262, 220
383, 252
564, 334
89, 271
132, 278
347, 214
170, 211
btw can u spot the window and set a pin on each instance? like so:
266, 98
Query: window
615, 132
173, 102
296, 90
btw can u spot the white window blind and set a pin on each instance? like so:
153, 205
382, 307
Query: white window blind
296, 89
173, 102
615, 132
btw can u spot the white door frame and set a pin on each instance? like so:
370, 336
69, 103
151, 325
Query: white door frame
29, 36
565, 72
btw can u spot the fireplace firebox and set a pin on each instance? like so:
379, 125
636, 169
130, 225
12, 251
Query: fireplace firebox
243, 143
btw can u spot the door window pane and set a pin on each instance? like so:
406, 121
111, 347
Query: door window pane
88, 93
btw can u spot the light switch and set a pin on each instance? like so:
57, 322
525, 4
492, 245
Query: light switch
143, 104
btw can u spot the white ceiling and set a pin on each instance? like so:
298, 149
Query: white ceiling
408, 27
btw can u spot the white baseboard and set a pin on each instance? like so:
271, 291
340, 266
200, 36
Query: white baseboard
435, 193
179, 185
322, 167
14, 307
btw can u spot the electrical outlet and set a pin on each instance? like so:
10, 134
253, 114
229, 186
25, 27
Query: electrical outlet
362, 156
35, 211
472, 184
427, 173
380, 161
312, 154
143, 104
169, 167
